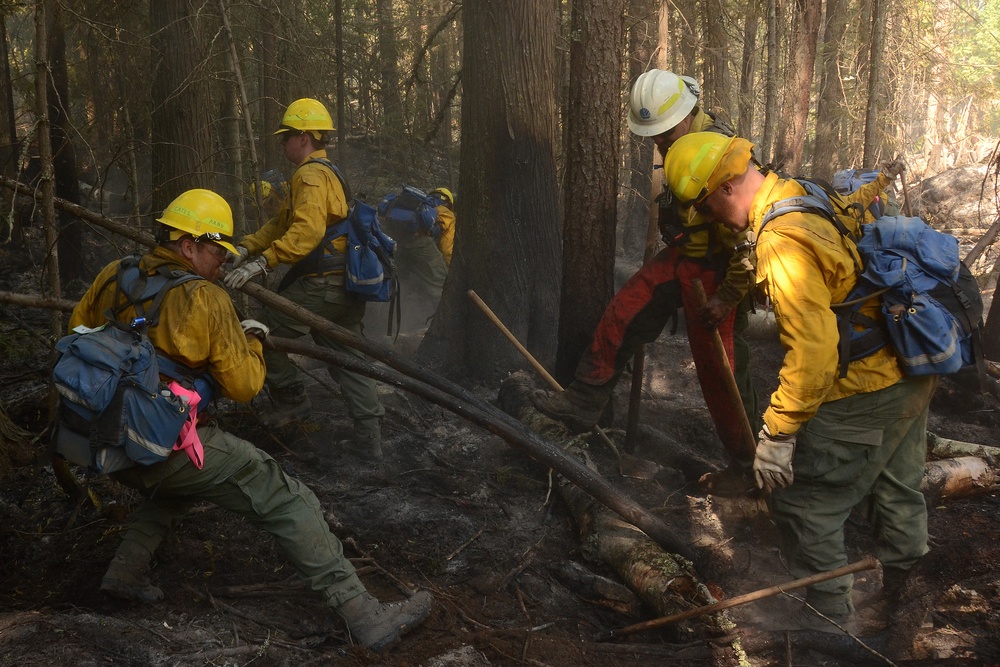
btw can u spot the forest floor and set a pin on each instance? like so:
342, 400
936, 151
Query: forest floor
457, 511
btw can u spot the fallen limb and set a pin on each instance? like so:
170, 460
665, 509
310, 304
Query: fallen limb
946, 448
866, 564
481, 413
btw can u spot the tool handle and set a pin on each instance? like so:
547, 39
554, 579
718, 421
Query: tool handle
732, 390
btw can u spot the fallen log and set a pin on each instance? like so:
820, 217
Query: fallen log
961, 477
663, 581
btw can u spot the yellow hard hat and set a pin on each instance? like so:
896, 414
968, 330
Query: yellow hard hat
272, 182
306, 115
445, 194
659, 101
697, 163
203, 214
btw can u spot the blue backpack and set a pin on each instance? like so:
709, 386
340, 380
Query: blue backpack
847, 181
931, 302
369, 267
411, 212
114, 411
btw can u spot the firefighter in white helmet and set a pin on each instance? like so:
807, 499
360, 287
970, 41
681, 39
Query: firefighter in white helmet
664, 106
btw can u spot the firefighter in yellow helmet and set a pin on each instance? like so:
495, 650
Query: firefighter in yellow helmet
304, 222
829, 443
665, 107
198, 330
273, 190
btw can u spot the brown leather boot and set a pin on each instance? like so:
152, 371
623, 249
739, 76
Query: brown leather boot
379, 626
127, 578
579, 406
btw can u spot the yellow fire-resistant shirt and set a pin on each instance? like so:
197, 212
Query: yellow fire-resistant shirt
198, 326
804, 264
446, 241
315, 202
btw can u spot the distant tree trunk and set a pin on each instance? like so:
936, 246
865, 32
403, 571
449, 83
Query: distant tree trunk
830, 108
338, 50
643, 18
45, 181
873, 130
591, 175
8, 134
508, 245
805, 32
685, 55
391, 99
718, 47
273, 93
770, 83
748, 98
182, 106
67, 184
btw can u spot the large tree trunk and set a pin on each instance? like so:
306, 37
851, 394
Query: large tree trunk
508, 247
830, 109
792, 136
873, 130
182, 105
718, 48
591, 176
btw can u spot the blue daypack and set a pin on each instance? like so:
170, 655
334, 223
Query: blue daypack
411, 211
931, 302
114, 411
847, 181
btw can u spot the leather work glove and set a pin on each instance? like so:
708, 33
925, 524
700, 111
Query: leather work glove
255, 328
772, 465
241, 256
713, 312
894, 168
238, 277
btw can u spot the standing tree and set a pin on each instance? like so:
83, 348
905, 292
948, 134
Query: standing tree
805, 19
67, 183
591, 175
8, 133
508, 246
770, 82
873, 133
830, 108
182, 104
748, 96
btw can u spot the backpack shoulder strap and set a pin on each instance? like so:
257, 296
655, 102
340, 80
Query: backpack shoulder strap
139, 288
336, 172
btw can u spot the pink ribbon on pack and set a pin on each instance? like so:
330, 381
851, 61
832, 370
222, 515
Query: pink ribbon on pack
188, 440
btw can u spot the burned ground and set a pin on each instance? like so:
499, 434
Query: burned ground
457, 511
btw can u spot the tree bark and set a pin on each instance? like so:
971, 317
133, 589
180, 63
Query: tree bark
717, 84
182, 106
9, 158
748, 98
770, 82
592, 154
792, 136
876, 105
67, 183
507, 249
830, 107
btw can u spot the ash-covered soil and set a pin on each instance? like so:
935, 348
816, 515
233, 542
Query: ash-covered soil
457, 511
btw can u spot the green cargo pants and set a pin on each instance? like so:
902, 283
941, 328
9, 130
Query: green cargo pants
326, 297
867, 449
243, 479
418, 257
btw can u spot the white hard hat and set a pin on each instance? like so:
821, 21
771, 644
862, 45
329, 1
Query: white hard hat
659, 101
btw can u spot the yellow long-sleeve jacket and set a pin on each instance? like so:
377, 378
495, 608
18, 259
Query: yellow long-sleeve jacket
718, 240
198, 326
446, 241
804, 264
316, 201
